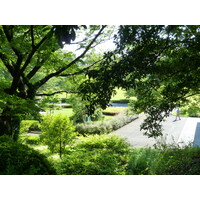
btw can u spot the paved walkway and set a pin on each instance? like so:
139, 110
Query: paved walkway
182, 131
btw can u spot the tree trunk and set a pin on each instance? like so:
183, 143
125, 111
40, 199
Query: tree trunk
9, 124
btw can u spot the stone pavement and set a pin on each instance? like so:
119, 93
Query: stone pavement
182, 131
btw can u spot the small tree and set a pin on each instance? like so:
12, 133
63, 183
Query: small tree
57, 132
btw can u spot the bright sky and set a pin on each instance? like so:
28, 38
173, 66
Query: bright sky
104, 46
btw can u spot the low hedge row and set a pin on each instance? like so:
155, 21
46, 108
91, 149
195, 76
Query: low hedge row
104, 126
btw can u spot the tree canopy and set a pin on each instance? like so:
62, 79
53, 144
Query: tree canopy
160, 63
30, 56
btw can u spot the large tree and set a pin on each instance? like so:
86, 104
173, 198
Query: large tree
160, 63
30, 56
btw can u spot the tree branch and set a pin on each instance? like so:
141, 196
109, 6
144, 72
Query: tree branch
35, 49
45, 94
6, 63
57, 73
9, 37
81, 71
32, 37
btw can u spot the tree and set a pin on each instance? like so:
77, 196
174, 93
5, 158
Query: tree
30, 56
57, 132
160, 63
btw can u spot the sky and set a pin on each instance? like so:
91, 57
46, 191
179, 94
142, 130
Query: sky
104, 46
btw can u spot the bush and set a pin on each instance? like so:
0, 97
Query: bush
33, 140
57, 132
178, 162
104, 126
29, 125
66, 106
18, 159
96, 155
141, 161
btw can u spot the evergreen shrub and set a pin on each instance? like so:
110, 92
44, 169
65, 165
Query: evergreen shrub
19, 159
96, 155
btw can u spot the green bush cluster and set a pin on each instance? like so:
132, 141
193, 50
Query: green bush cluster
171, 161
178, 162
105, 126
18, 159
96, 155
142, 160
32, 140
29, 125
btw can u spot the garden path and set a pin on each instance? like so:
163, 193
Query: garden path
181, 131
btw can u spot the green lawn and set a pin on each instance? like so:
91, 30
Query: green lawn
120, 95
64, 111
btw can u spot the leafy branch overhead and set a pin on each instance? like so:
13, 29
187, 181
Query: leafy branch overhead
31, 56
161, 65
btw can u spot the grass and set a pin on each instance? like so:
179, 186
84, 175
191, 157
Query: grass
64, 111
120, 95
114, 109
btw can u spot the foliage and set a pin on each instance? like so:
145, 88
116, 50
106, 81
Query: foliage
57, 132
161, 65
25, 127
29, 125
178, 161
19, 159
191, 107
33, 64
32, 140
113, 110
105, 126
96, 155
141, 161
80, 111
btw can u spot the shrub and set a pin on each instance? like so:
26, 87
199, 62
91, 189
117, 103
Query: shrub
96, 155
104, 126
141, 161
29, 125
57, 132
25, 127
18, 159
66, 106
178, 162
113, 110
33, 140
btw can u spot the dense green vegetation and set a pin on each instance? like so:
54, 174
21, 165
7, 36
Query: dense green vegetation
153, 68
16, 158
97, 155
